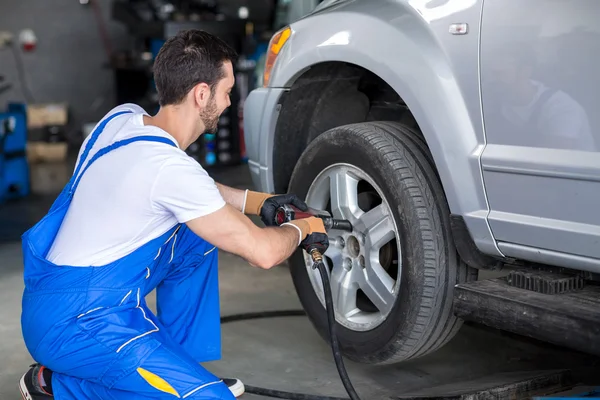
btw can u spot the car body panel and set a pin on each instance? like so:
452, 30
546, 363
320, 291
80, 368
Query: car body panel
541, 165
260, 117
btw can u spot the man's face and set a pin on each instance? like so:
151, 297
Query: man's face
219, 100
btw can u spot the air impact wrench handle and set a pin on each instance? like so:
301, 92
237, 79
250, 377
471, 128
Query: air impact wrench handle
287, 213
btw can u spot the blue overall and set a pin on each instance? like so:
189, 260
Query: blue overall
92, 327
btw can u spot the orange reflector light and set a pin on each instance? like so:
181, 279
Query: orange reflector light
275, 45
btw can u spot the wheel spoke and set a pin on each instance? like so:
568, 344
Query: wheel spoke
378, 286
337, 189
344, 195
335, 254
378, 226
343, 290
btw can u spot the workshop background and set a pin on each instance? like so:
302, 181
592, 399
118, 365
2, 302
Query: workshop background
63, 65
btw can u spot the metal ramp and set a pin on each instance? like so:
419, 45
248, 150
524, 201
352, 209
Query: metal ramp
556, 308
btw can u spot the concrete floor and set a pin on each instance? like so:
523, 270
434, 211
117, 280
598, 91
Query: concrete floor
286, 353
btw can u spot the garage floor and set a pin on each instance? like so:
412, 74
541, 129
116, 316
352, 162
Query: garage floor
285, 353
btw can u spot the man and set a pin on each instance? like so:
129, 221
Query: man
138, 215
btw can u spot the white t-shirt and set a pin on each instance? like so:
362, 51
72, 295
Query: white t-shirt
131, 195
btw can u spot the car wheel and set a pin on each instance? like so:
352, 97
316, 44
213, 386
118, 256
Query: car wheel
392, 278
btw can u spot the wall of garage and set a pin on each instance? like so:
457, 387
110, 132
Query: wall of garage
69, 62
67, 65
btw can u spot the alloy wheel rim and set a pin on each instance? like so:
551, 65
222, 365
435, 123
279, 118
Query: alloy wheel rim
364, 265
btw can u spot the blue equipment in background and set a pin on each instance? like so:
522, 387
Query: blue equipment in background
14, 168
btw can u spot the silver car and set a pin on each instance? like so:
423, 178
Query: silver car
456, 136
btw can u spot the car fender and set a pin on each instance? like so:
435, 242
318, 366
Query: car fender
396, 43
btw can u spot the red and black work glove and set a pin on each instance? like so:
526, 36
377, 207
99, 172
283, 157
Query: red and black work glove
312, 233
266, 205
317, 240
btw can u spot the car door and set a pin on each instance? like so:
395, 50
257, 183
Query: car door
540, 100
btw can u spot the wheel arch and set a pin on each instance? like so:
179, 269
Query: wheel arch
418, 72
307, 109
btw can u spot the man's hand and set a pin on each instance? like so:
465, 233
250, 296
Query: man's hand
271, 204
317, 240
265, 205
312, 233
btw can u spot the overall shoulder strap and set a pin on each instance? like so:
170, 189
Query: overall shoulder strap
116, 145
94, 137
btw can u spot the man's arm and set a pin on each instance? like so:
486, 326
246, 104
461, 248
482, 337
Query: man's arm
246, 201
232, 231
235, 197
190, 194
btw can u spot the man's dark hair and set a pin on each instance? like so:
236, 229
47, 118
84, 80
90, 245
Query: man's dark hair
187, 59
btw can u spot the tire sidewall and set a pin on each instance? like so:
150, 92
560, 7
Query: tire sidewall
343, 145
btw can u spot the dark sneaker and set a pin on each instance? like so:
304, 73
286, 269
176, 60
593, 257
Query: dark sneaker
235, 386
36, 383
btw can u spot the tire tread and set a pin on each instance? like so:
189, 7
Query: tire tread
392, 139
437, 338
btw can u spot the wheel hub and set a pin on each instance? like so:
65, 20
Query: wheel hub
364, 286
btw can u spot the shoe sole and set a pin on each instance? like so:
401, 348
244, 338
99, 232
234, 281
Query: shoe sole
23, 388
237, 389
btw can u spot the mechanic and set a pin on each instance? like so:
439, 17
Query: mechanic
139, 214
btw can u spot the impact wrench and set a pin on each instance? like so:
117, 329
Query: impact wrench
286, 214
289, 213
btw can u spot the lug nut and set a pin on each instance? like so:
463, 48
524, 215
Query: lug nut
347, 264
362, 238
361, 259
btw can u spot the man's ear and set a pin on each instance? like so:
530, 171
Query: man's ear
201, 95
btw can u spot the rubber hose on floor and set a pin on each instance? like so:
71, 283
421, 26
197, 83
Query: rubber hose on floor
337, 355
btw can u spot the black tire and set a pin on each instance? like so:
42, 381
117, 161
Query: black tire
397, 159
